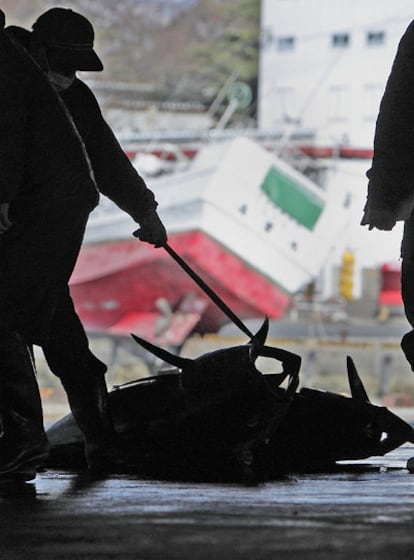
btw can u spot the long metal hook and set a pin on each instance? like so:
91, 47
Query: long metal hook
209, 291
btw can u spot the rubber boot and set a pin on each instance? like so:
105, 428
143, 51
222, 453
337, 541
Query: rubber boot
23, 442
89, 405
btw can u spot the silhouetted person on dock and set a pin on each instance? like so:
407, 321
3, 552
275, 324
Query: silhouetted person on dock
56, 154
391, 177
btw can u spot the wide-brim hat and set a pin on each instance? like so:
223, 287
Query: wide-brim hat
71, 34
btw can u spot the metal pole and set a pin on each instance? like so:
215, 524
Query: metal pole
211, 294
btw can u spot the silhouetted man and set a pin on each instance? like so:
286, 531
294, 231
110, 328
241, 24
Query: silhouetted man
391, 177
56, 154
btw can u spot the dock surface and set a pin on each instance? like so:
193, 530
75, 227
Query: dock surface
364, 511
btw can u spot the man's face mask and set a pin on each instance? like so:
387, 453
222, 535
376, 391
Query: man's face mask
60, 81
60, 71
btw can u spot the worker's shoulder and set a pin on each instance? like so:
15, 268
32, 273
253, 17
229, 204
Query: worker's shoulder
80, 100
81, 87
15, 62
81, 90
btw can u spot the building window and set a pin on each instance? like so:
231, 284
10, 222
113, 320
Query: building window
285, 43
287, 105
371, 96
375, 38
341, 40
338, 103
266, 38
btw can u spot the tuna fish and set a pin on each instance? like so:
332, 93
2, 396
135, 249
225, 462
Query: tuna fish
218, 417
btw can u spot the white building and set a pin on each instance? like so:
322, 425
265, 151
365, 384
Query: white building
323, 70
324, 64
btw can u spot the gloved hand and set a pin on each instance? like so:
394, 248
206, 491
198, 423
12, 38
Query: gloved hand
5, 222
152, 230
380, 219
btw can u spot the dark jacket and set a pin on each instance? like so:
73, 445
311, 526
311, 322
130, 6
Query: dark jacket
114, 174
391, 177
43, 136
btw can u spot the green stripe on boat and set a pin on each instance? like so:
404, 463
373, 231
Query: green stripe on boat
299, 202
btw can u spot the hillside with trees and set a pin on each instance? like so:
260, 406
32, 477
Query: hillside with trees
184, 49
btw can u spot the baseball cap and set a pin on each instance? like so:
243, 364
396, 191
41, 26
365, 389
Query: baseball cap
71, 34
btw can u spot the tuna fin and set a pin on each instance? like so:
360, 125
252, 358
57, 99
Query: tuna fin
258, 340
355, 384
261, 335
172, 359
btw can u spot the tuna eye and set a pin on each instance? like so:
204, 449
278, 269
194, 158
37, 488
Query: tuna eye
384, 435
369, 430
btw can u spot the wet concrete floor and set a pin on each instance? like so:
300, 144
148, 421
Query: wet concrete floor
365, 511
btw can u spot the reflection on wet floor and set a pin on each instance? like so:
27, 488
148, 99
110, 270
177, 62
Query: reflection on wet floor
366, 507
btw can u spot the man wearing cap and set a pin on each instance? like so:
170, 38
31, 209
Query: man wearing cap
56, 154
390, 195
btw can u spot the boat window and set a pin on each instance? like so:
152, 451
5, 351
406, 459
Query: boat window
375, 38
341, 40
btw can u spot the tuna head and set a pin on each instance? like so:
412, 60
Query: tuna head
322, 427
381, 429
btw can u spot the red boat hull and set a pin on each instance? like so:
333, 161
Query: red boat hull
114, 282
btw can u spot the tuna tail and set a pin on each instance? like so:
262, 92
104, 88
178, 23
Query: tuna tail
172, 359
355, 384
